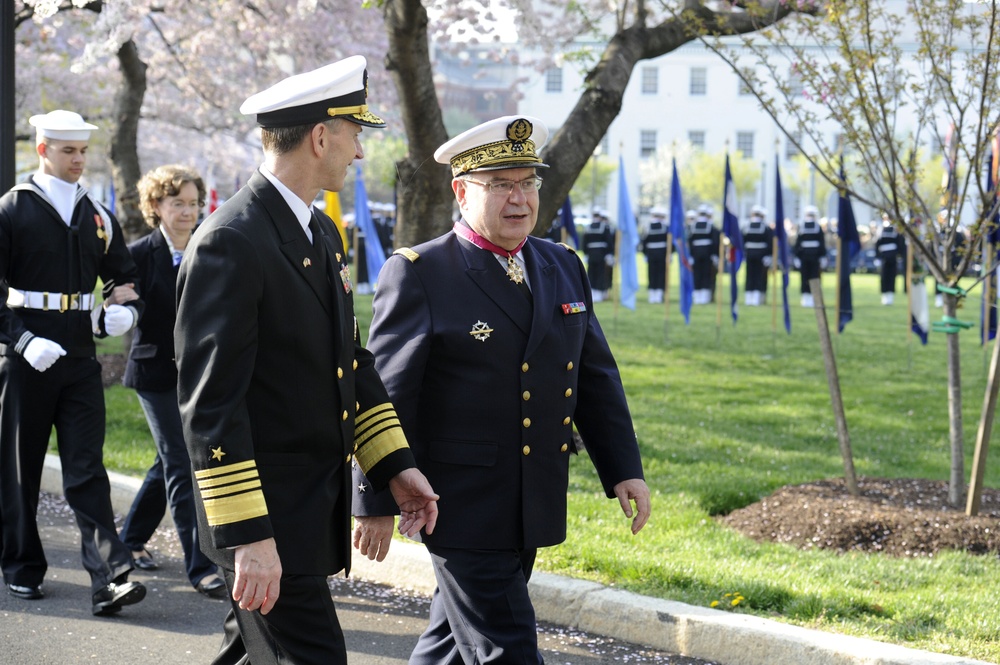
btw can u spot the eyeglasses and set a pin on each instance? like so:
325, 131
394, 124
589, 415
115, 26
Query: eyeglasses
505, 187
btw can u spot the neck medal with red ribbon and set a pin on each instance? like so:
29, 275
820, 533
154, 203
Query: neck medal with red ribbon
514, 271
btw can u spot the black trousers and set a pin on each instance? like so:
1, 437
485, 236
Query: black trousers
888, 277
481, 612
756, 275
656, 272
301, 629
70, 397
809, 269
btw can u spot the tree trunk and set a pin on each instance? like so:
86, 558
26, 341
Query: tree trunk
424, 197
956, 481
125, 170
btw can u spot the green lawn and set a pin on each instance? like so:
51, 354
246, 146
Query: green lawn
724, 416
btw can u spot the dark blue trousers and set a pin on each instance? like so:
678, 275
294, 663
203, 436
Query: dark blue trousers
481, 612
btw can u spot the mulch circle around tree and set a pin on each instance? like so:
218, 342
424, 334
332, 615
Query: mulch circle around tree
907, 517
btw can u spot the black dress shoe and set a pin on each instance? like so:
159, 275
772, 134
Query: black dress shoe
143, 560
212, 586
113, 597
25, 592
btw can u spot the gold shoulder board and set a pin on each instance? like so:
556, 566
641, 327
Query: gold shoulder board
566, 247
408, 253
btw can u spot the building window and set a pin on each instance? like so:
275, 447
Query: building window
554, 79
795, 86
699, 81
650, 80
744, 89
790, 149
744, 143
647, 143
696, 137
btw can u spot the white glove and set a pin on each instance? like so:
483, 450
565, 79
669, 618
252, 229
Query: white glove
609, 259
822, 263
766, 261
42, 353
118, 320
796, 263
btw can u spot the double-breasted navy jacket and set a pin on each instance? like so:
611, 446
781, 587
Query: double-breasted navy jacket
489, 385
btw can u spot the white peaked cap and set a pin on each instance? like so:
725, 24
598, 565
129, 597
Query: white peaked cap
510, 142
337, 90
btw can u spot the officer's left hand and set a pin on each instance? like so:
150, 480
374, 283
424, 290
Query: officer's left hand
609, 259
634, 489
766, 261
373, 535
118, 320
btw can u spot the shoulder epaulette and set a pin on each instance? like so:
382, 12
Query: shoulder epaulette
566, 247
408, 253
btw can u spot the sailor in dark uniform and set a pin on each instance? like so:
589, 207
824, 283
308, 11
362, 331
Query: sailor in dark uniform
654, 246
810, 251
599, 248
55, 243
887, 248
757, 241
703, 242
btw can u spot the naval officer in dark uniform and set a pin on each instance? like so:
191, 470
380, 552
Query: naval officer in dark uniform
703, 244
277, 396
888, 250
488, 344
654, 247
757, 242
599, 247
55, 243
810, 252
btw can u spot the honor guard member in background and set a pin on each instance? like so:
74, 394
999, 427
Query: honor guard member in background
599, 247
888, 250
654, 246
55, 243
491, 351
757, 241
277, 396
703, 243
810, 252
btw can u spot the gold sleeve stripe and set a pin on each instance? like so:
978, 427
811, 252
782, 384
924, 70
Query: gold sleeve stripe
226, 480
372, 418
382, 444
229, 509
230, 489
228, 468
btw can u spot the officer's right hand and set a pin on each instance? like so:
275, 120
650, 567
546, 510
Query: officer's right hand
42, 353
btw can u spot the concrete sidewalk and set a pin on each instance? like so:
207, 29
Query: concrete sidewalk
698, 632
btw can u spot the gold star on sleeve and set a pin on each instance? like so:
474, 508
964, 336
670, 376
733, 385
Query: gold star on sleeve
217, 453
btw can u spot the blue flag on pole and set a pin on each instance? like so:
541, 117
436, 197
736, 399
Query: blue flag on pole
782, 235
850, 245
569, 222
629, 241
731, 228
363, 219
679, 235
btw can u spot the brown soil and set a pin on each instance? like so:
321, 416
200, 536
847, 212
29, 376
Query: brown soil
112, 368
897, 516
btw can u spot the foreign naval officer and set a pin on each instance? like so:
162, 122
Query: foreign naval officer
55, 242
277, 395
488, 345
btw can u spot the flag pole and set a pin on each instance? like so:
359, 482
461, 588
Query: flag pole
909, 308
718, 281
666, 285
774, 292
